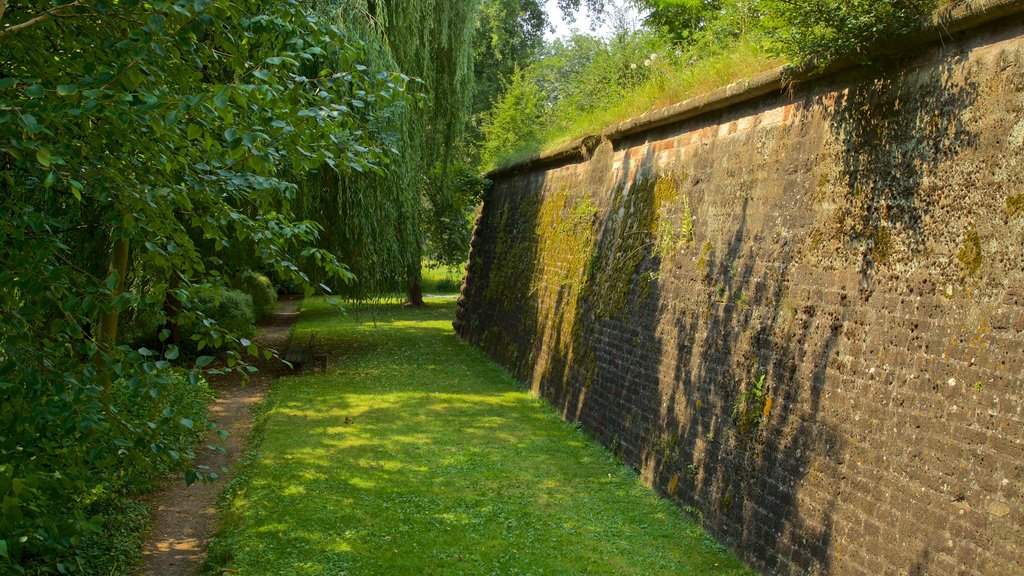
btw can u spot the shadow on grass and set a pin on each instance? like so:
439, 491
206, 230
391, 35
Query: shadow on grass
416, 455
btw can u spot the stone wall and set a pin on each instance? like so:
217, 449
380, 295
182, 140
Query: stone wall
800, 312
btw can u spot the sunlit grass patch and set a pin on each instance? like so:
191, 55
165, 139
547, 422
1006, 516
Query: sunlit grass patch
416, 455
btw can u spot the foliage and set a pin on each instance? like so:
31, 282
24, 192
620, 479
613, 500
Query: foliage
448, 215
232, 310
824, 31
163, 134
117, 549
584, 84
439, 463
516, 119
378, 221
260, 289
751, 407
509, 36
680, 20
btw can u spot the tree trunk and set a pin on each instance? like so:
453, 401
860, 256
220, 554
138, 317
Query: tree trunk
108, 320
119, 266
415, 291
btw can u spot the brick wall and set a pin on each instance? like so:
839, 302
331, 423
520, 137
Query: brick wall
802, 314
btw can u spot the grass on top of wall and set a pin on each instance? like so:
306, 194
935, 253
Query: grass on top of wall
671, 81
416, 455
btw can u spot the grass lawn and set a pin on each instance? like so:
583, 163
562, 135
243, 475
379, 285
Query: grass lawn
416, 455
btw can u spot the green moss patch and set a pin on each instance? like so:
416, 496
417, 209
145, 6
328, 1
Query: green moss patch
1015, 205
970, 256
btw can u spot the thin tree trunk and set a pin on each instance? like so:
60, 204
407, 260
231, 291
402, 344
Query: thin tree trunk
108, 320
118, 265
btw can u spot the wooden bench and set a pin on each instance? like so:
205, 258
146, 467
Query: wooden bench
302, 356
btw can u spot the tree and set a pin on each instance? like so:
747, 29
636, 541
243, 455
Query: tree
433, 41
510, 35
139, 140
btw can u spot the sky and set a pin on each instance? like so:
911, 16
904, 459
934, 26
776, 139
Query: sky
585, 21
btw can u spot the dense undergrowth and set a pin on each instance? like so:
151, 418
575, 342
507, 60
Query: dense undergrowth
416, 455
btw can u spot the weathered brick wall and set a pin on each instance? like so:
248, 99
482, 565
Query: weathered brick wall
802, 314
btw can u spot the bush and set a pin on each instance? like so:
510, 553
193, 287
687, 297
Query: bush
825, 31
260, 289
167, 413
231, 309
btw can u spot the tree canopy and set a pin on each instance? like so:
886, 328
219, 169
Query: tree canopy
145, 142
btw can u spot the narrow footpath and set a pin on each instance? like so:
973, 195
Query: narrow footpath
183, 517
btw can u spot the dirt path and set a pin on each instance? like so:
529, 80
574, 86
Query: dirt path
183, 517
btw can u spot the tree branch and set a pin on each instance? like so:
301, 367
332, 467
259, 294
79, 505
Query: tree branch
49, 13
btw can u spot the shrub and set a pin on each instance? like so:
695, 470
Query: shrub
260, 289
167, 413
231, 309
825, 31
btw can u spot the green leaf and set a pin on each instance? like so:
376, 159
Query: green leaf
43, 157
3, 549
35, 91
203, 361
194, 131
76, 188
31, 125
187, 423
66, 89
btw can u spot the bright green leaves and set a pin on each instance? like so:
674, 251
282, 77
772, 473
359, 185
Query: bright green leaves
174, 125
825, 31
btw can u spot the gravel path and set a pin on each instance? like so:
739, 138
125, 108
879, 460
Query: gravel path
183, 517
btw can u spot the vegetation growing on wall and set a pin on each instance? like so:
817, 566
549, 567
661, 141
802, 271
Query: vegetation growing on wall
584, 84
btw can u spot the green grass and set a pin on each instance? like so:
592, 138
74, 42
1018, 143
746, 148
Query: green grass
416, 455
440, 279
669, 84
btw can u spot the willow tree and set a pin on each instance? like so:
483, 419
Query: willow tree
375, 220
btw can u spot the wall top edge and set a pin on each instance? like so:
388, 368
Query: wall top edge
957, 17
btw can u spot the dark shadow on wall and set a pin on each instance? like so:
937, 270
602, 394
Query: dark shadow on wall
896, 129
739, 426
